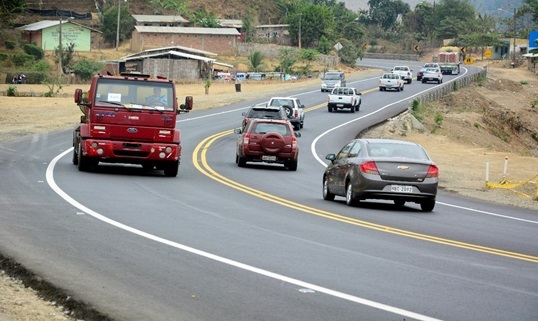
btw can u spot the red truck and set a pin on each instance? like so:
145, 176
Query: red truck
130, 118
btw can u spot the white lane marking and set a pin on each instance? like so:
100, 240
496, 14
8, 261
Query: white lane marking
316, 156
242, 108
313, 145
246, 267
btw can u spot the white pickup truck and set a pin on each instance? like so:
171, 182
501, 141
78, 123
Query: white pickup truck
405, 72
344, 97
391, 81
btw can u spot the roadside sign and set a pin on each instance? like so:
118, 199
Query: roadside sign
338, 46
488, 54
468, 61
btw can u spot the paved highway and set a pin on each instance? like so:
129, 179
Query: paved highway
221, 242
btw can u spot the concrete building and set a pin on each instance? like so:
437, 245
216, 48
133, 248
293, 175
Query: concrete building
219, 40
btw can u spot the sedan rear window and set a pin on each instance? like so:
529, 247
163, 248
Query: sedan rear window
396, 150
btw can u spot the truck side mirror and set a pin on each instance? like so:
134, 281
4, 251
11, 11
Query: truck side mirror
78, 96
187, 105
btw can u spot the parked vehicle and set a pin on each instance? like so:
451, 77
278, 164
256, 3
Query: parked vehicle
405, 72
382, 169
391, 81
269, 141
426, 66
333, 79
265, 112
344, 98
432, 74
129, 119
294, 109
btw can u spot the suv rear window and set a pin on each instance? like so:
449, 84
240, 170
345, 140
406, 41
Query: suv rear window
270, 113
264, 128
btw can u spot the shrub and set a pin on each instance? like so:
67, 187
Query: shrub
20, 59
41, 65
10, 44
4, 56
12, 91
34, 51
85, 69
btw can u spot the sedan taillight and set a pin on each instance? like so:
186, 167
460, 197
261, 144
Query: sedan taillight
433, 172
369, 168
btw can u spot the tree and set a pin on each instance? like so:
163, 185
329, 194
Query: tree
349, 53
316, 21
205, 19
109, 24
180, 6
307, 57
324, 45
454, 17
532, 8
287, 58
249, 28
256, 61
384, 13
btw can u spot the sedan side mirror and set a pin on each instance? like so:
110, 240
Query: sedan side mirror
330, 157
237, 131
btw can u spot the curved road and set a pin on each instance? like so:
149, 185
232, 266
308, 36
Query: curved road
259, 243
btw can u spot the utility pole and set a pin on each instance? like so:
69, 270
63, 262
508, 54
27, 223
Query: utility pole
118, 27
514, 48
300, 16
60, 49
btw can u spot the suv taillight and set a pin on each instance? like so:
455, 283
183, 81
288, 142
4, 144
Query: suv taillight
246, 139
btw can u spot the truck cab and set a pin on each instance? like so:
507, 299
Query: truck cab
130, 119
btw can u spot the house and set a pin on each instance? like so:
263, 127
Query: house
219, 40
275, 34
175, 62
46, 34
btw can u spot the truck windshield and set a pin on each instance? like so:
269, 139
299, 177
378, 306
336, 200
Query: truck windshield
135, 94
331, 77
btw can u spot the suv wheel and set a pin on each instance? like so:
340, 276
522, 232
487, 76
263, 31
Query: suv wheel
240, 161
292, 165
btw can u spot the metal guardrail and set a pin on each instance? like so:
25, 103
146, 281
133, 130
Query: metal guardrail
448, 87
376, 55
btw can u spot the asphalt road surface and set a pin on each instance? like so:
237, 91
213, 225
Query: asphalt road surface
221, 242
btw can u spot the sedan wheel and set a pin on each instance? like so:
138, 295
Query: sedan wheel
327, 195
427, 206
350, 195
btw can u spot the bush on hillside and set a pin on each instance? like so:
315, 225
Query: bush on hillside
85, 68
10, 44
21, 59
33, 50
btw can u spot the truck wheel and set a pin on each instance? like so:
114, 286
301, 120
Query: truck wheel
75, 156
330, 109
380, 88
410, 81
171, 169
83, 162
352, 109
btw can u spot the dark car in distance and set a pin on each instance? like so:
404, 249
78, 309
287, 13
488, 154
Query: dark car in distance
265, 112
267, 141
382, 169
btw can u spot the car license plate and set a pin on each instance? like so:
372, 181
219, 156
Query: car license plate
268, 158
401, 188
339, 105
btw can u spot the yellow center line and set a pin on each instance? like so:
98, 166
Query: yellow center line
199, 160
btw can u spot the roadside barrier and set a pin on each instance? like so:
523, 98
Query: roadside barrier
519, 188
448, 87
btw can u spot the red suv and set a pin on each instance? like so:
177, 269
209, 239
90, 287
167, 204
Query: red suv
268, 141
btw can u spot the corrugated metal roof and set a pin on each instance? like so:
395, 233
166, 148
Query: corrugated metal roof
40, 25
272, 26
172, 53
158, 18
187, 30
235, 23
223, 64
192, 50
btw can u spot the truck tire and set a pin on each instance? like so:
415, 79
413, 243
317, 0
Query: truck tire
352, 109
84, 163
171, 169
